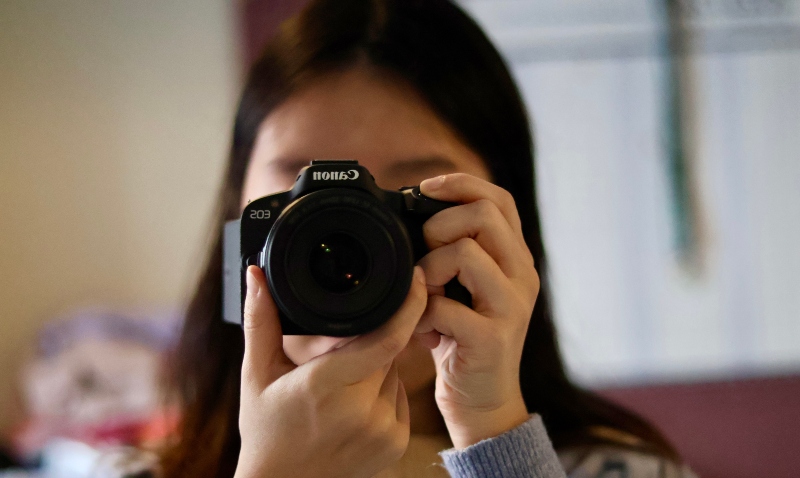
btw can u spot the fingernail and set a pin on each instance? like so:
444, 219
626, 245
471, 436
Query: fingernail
252, 282
432, 184
419, 275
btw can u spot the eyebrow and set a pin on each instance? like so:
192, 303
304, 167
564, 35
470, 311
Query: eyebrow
290, 165
421, 165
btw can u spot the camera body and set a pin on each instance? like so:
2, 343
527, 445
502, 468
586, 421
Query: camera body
338, 251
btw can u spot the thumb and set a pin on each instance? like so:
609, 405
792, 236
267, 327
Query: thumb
264, 358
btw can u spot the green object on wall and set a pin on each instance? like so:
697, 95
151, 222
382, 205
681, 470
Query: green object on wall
678, 127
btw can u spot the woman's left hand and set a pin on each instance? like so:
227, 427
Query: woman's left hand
477, 351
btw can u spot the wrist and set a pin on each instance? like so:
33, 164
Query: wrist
469, 426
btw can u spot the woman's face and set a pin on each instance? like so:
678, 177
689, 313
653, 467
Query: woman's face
359, 114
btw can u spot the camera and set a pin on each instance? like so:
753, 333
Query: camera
338, 251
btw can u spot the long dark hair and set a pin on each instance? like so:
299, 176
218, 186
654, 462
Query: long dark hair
439, 51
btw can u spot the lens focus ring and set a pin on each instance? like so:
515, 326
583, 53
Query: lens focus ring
339, 262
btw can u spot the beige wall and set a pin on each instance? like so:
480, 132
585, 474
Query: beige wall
114, 124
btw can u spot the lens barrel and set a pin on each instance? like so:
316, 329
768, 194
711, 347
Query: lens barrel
339, 262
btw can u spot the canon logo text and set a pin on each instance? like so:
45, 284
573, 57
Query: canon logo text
335, 175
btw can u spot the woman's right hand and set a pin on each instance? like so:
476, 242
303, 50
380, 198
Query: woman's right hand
343, 413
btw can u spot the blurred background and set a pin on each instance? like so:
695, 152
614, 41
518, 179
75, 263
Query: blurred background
668, 147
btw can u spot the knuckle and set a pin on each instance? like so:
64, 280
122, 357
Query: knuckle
507, 200
309, 391
466, 248
393, 344
536, 281
437, 308
529, 256
250, 314
427, 231
534, 288
486, 212
313, 384
457, 177
434, 305
431, 231
522, 314
485, 207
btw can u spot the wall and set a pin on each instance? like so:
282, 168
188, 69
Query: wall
114, 125
593, 75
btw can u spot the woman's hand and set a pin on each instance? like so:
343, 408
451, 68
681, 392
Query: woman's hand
343, 413
477, 351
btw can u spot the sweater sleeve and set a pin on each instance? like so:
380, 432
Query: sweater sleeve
523, 452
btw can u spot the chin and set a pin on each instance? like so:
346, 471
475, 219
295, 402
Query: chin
415, 367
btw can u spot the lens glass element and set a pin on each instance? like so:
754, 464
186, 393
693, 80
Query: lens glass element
339, 263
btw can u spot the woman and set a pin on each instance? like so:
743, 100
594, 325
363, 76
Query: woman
415, 92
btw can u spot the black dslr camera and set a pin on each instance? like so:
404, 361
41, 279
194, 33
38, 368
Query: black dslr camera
338, 251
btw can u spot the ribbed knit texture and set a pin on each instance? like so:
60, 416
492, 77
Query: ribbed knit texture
524, 452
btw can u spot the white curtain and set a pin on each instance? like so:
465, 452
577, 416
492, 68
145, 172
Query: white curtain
594, 77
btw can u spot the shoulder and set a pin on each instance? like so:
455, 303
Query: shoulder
613, 461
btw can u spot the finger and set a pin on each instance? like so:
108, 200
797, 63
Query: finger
464, 188
392, 407
476, 271
428, 337
447, 317
388, 390
403, 415
358, 359
482, 221
264, 359
401, 427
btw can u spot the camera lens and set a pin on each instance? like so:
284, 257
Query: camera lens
339, 263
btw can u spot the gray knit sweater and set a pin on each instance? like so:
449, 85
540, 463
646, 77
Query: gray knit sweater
526, 452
